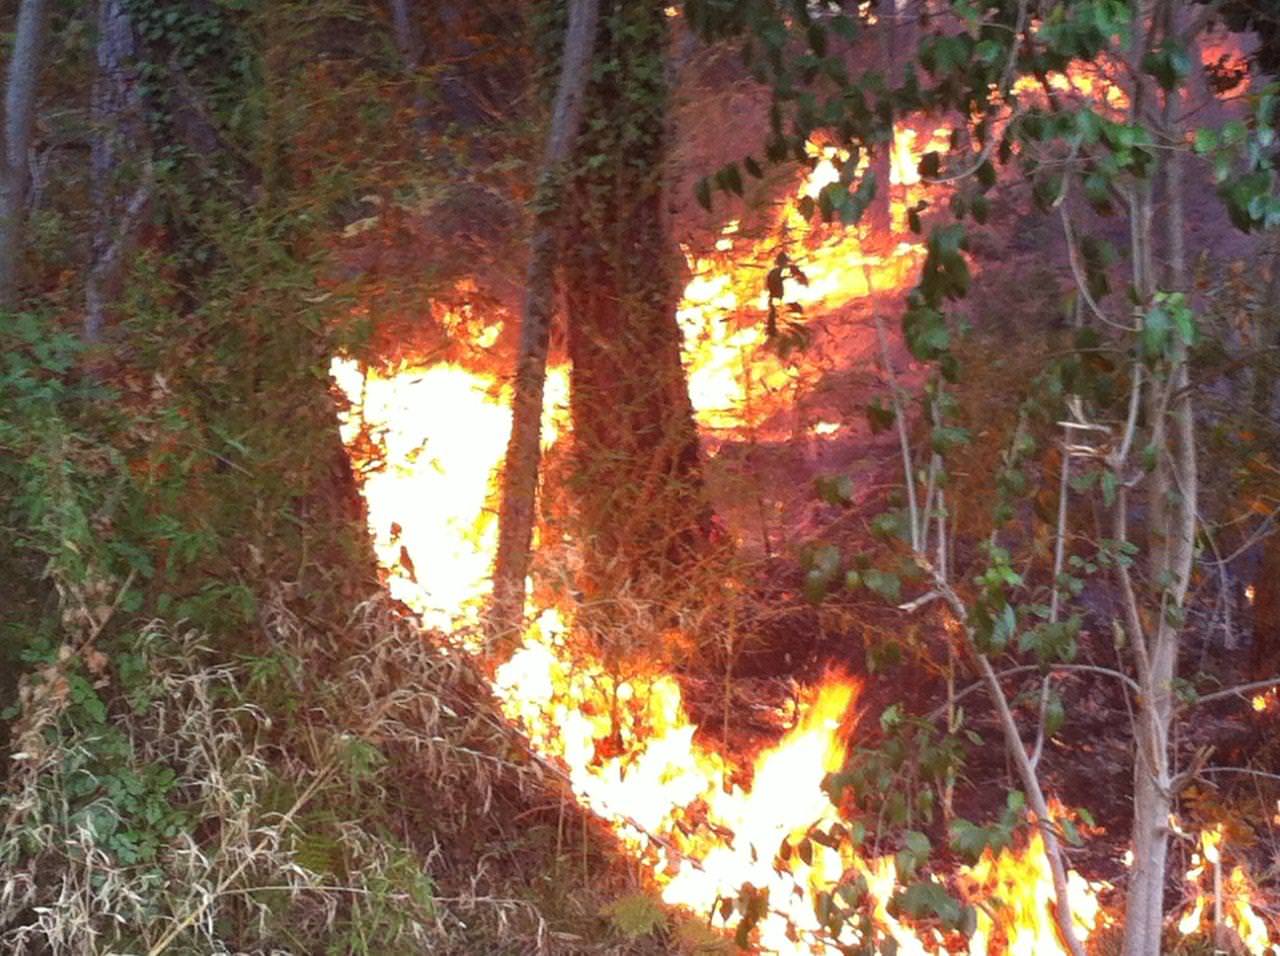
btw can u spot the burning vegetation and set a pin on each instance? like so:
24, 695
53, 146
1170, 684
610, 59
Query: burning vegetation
710, 827
831, 455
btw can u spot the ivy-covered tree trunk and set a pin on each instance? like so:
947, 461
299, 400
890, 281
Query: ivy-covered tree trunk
643, 514
19, 118
117, 145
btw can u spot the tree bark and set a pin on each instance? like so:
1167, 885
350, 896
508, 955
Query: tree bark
879, 216
520, 484
1173, 501
117, 140
407, 33
642, 513
19, 119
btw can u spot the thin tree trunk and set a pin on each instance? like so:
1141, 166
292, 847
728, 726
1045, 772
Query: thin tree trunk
407, 33
19, 119
117, 140
1173, 500
520, 485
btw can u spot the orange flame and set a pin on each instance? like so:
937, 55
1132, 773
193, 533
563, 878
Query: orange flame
428, 442
1227, 902
703, 825
732, 373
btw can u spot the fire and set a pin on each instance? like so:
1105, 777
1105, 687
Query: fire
703, 824
1226, 904
428, 443
1024, 925
634, 759
734, 378
442, 431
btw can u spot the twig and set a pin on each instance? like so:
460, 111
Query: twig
1237, 691
1249, 771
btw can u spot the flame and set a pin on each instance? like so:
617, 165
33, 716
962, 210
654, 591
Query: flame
442, 431
1227, 902
427, 442
1024, 925
703, 824
734, 377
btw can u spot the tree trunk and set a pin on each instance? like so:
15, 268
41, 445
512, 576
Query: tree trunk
1173, 501
117, 140
879, 216
520, 483
19, 119
642, 511
407, 33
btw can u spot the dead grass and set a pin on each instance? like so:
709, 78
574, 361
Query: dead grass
348, 792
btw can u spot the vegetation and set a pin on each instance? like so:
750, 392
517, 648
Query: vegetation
223, 733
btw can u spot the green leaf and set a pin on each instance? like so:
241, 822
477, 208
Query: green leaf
1109, 486
1005, 624
926, 898
835, 489
702, 191
823, 569
1055, 714
879, 417
1206, 140
883, 583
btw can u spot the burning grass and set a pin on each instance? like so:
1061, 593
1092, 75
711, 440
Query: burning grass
706, 825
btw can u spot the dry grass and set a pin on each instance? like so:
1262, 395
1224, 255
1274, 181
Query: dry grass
346, 793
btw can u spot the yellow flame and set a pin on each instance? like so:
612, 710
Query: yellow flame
428, 442
702, 824
442, 431
1022, 922
1229, 899
733, 377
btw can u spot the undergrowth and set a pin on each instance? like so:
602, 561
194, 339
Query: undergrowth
170, 800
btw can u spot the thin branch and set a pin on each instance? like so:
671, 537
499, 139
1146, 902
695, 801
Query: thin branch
1249, 771
1077, 270
1125, 679
1238, 691
899, 414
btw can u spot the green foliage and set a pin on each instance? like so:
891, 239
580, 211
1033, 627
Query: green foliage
636, 914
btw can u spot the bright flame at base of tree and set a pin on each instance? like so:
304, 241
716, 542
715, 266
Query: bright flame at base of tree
427, 443
728, 840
